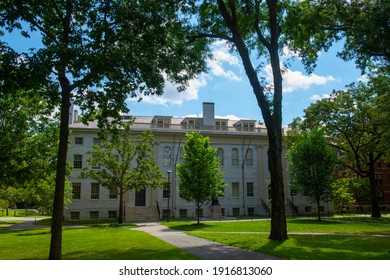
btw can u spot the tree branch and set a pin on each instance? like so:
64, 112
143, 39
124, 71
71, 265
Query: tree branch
256, 25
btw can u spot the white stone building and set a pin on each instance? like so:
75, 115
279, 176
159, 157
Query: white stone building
242, 146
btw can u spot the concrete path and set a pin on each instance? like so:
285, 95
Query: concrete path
27, 224
204, 249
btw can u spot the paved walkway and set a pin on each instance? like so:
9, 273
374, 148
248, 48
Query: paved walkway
204, 249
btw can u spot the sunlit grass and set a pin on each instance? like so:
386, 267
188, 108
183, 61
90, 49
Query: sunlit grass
88, 244
311, 245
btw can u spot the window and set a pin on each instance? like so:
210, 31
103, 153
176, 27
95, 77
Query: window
93, 215
78, 140
234, 157
221, 125
322, 209
192, 124
183, 213
75, 215
95, 190
112, 214
378, 179
78, 161
251, 211
235, 190
167, 156
166, 191
113, 194
249, 157
220, 155
249, 189
248, 126
162, 122
165, 213
76, 190
97, 141
307, 209
222, 211
236, 211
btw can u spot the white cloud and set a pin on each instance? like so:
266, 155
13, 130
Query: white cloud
317, 97
230, 117
364, 78
296, 80
221, 57
174, 97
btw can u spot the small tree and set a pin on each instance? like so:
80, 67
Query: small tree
342, 193
347, 191
311, 166
126, 163
200, 177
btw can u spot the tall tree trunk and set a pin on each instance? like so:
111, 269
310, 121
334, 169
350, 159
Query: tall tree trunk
375, 211
58, 207
318, 210
272, 114
278, 214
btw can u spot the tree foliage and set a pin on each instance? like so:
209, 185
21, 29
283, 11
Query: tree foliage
311, 166
350, 119
99, 52
362, 25
350, 190
200, 177
125, 163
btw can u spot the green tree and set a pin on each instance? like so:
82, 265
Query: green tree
348, 118
362, 25
342, 193
311, 166
199, 176
254, 29
99, 52
126, 163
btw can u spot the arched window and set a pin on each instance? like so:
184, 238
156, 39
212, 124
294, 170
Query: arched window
249, 157
234, 157
167, 156
220, 155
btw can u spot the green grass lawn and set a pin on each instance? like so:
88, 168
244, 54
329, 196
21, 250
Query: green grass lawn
95, 243
254, 236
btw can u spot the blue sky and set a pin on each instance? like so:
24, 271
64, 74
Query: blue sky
228, 87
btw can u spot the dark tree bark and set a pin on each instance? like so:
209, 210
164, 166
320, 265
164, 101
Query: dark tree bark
58, 207
272, 117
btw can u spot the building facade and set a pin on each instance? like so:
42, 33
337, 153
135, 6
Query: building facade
241, 145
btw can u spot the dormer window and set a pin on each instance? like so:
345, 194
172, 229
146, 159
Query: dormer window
192, 123
221, 124
161, 122
245, 125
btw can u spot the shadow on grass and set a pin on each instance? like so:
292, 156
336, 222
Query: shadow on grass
191, 227
312, 222
124, 254
32, 233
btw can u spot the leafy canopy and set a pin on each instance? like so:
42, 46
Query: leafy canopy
200, 177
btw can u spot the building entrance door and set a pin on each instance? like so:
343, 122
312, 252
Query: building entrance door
140, 198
